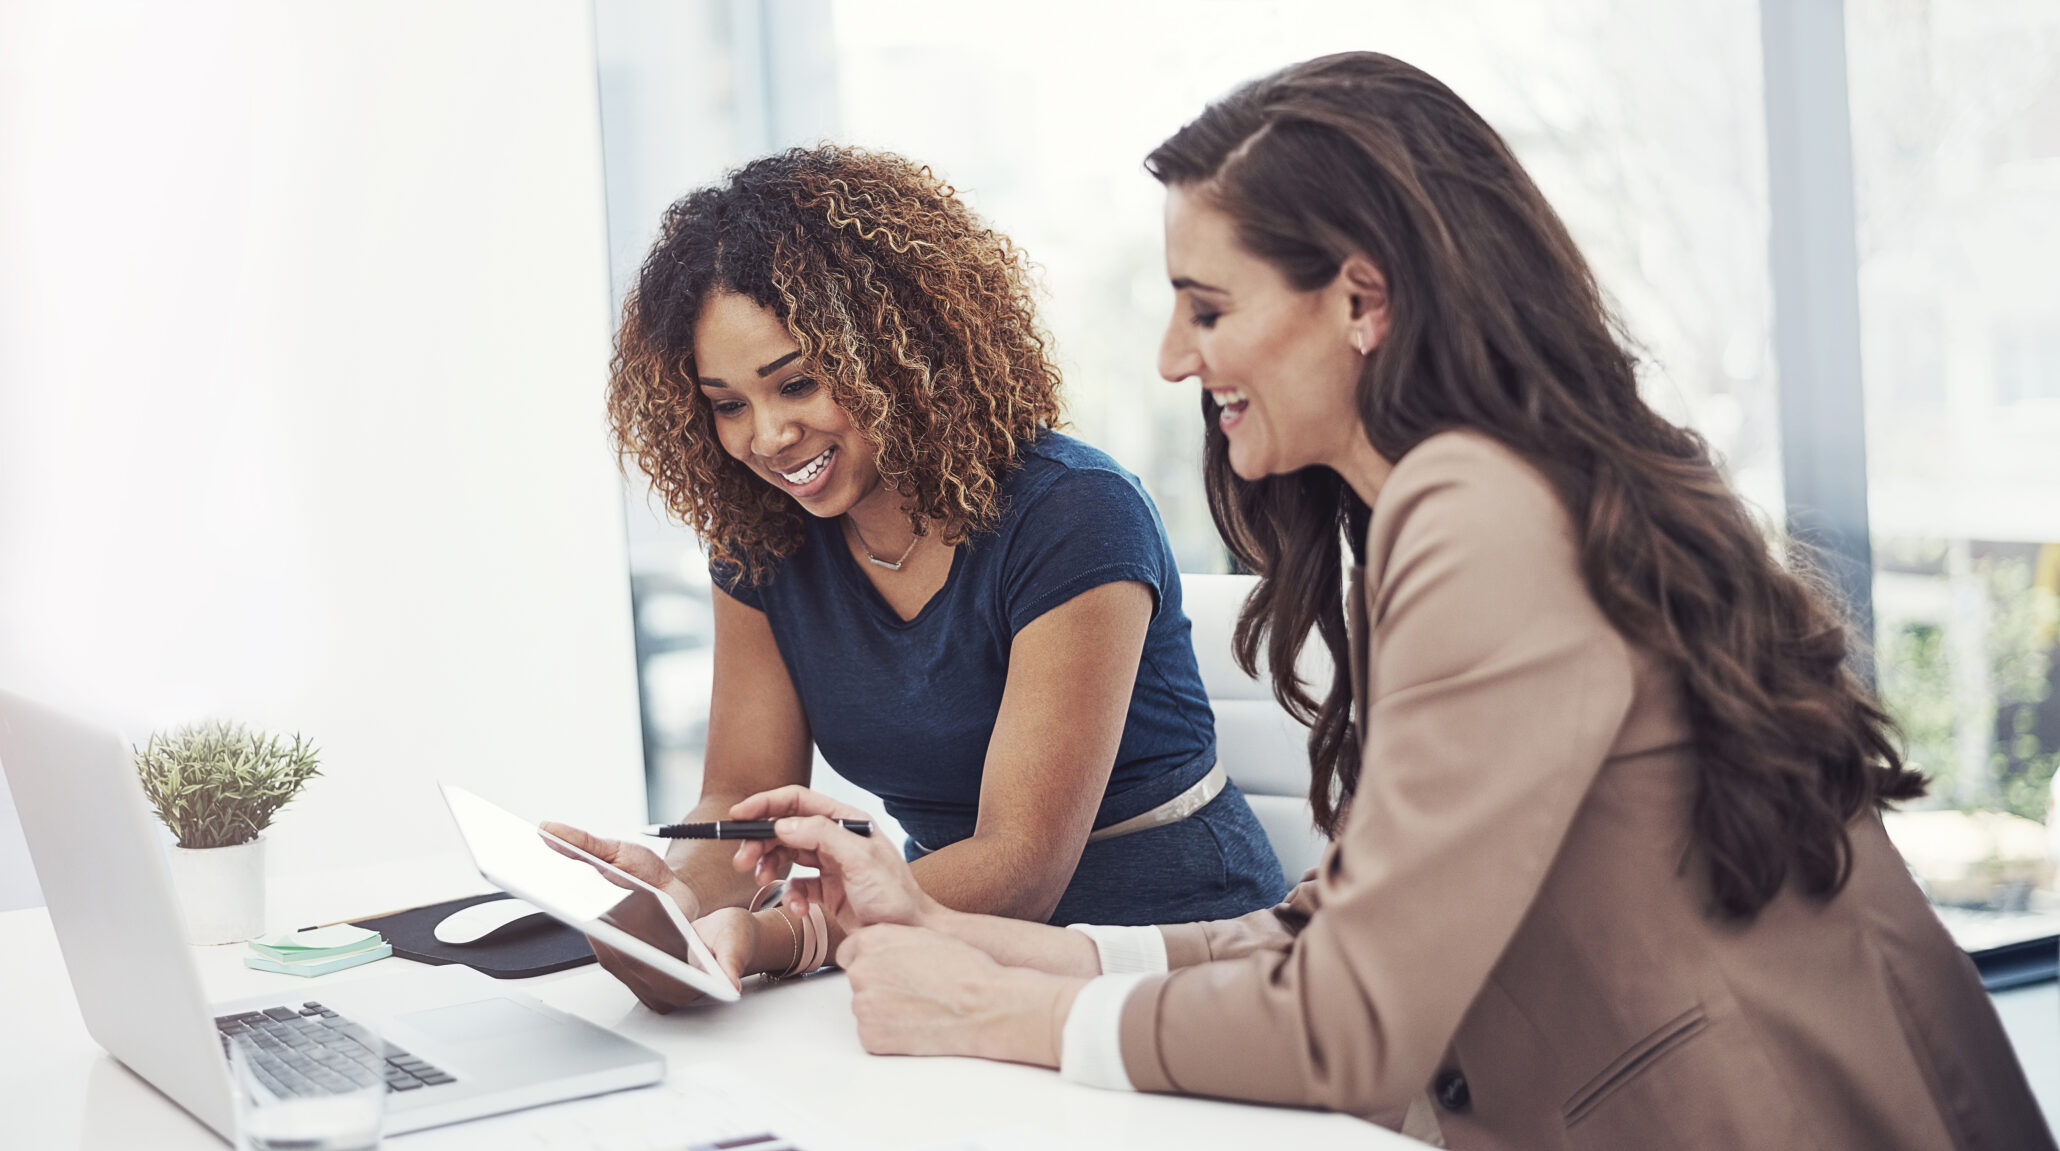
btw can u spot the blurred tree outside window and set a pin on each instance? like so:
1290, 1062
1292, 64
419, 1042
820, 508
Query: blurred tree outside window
1956, 152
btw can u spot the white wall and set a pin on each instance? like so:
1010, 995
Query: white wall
303, 335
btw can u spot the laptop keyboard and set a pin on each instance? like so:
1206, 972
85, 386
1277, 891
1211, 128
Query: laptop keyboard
299, 1052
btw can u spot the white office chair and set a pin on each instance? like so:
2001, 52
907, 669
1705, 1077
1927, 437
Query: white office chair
1261, 747
18, 887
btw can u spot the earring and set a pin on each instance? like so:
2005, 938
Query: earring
1359, 342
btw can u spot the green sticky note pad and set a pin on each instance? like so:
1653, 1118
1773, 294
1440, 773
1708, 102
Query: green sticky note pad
317, 938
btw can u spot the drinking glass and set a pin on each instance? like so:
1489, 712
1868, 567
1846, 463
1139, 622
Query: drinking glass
326, 1098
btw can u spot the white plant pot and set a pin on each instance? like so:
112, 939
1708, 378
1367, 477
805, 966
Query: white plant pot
221, 891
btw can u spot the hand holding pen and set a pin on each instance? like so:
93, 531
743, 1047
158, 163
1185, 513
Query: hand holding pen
862, 878
746, 829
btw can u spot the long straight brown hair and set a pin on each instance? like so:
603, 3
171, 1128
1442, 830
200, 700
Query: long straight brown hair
1496, 324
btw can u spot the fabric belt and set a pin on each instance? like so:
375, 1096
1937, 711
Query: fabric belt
1173, 810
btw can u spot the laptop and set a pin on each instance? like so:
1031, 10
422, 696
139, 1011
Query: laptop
460, 1046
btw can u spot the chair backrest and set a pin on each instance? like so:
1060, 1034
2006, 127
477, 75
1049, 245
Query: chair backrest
18, 887
1263, 749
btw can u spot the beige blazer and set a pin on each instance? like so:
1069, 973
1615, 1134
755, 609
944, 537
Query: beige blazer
1511, 917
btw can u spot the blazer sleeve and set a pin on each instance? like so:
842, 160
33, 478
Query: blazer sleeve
1495, 690
1273, 929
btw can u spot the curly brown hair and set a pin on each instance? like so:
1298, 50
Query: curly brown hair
916, 315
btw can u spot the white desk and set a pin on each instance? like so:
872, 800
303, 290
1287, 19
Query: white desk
59, 1090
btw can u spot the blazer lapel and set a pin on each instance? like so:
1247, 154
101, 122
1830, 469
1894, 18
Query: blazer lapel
1355, 631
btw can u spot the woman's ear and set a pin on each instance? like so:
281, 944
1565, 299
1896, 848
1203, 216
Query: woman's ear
1367, 291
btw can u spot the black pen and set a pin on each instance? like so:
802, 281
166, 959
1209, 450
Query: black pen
745, 829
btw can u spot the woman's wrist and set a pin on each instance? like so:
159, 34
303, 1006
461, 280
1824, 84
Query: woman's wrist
776, 945
1027, 1012
944, 920
683, 892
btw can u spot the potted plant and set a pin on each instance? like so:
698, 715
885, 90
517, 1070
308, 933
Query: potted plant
216, 785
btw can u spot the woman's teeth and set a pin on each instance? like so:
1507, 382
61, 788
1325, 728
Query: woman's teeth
1230, 406
809, 470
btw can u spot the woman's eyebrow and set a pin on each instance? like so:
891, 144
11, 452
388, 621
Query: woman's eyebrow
769, 369
776, 365
1182, 283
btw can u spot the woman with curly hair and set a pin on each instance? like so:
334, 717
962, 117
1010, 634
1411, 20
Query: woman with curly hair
1607, 865
830, 370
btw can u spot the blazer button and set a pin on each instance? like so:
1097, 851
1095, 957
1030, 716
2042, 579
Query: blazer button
1451, 1091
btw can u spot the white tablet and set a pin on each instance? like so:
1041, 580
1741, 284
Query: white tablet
568, 884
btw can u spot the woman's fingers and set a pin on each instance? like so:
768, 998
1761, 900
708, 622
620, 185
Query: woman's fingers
591, 844
643, 863
746, 857
633, 858
758, 855
858, 944
777, 858
793, 799
731, 935
816, 838
571, 835
802, 892
594, 845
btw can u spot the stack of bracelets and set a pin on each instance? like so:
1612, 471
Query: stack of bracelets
811, 932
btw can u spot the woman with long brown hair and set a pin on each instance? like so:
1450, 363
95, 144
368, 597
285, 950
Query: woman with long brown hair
831, 370
1607, 867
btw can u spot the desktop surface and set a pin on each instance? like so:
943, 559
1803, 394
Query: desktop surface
789, 1051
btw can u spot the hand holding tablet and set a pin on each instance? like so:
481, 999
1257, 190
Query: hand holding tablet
584, 891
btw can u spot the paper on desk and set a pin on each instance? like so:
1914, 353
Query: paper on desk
332, 938
318, 964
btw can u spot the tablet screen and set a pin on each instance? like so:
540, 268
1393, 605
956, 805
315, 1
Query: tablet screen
570, 885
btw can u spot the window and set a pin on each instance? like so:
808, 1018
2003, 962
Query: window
1642, 125
1956, 158
669, 123
1646, 126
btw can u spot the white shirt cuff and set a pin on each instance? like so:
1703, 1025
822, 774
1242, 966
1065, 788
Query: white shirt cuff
1125, 950
1091, 1047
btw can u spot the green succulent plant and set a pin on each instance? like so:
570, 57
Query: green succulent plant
218, 784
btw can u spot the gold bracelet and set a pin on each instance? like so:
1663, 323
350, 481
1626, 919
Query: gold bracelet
796, 960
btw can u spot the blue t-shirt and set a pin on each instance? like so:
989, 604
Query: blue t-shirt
905, 708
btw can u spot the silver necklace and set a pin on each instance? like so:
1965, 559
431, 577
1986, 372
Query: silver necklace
890, 565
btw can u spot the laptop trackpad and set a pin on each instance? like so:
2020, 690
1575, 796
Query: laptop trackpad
471, 1022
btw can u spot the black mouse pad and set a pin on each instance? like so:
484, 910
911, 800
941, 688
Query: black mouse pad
537, 946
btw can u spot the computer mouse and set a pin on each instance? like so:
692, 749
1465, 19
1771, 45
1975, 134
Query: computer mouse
474, 923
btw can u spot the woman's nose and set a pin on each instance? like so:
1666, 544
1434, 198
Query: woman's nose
772, 432
1178, 359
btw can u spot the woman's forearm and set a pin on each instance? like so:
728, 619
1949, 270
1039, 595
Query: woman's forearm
704, 864
1011, 942
967, 874
994, 874
1025, 1017
1020, 943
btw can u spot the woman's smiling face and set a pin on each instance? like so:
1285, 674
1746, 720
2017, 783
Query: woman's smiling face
1281, 364
773, 413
